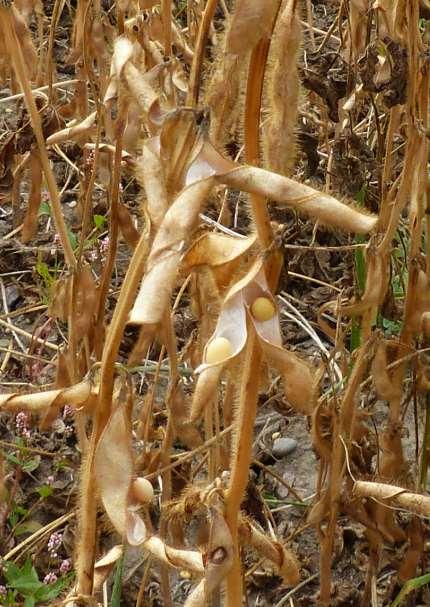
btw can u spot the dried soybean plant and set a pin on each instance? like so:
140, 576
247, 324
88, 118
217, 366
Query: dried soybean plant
164, 92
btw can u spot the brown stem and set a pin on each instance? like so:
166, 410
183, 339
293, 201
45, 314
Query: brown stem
166, 14
196, 67
14, 46
244, 423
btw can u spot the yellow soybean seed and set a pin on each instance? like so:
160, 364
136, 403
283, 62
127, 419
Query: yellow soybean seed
142, 490
218, 350
263, 309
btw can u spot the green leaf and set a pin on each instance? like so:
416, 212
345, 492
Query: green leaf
45, 491
16, 514
25, 580
411, 585
12, 459
30, 601
99, 221
72, 239
117, 584
47, 592
31, 464
28, 527
392, 327
44, 209
43, 270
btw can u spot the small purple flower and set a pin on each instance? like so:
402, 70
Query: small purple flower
3, 592
21, 423
50, 578
45, 196
54, 543
50, 480
65, 566
104, 244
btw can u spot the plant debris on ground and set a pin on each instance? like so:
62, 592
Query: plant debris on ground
215, 292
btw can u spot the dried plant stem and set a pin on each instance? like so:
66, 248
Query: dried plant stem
343, 425
59, 4
113, 225
242, 447
252, 123
241, 457
166, 12
196, 68
14, 46
88, 510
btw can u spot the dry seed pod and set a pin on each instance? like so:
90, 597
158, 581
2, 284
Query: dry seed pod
425, 323
415, 502
298, 377
231, 328
283, 91
206, 385
252, 21
219, 558
86, 297
163, 261
74, 131
421, 302
142, 490
75, 395
150, 173
122, 53
113, 468
285, 560
104, 566
377, 279
185, 431
215, 250
223, 255
127, 227
29, 227
386, 388
321, 206
174, 557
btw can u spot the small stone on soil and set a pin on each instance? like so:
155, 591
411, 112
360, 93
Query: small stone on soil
283, 446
